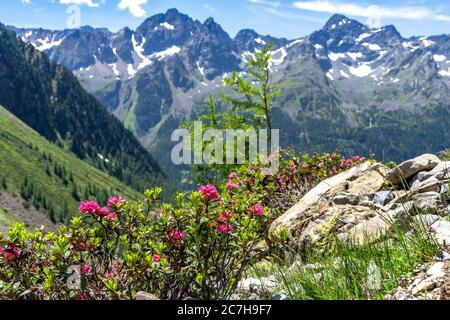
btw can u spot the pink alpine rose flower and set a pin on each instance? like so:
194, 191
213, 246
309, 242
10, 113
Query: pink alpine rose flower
177, 235
224, 228
233, 175
89, 207
104, 212
112, 217
156, 258
231, 186
209, 192
86, 269
257, 210
226, 216
116, 202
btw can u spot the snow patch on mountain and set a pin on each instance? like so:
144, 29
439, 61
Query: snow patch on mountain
439, 58
362, 37
361, 71
139, 50
355, 55
278, 56
445, 73
166, 53
131, 71
166, 25
45, 44
345, 75
260, 41
330, 74
372, 46
336, 56
427, 43
293, 43
114, 69
201, 69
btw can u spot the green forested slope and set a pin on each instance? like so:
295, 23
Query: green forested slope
46, 176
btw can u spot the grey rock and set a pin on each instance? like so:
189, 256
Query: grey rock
400, 294
409, 168
279, 296
145, 296
442, 228
445, 188
346, 198
426, 219
429, 202
443, 256
257, 285
430, 185
402, 212
436, 270
424, 285
382, 198
443, 166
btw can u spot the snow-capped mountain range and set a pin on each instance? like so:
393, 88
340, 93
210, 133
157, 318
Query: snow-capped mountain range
346, 47
339, 79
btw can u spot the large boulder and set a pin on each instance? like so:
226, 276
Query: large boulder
318, 210
360, 204
409, 168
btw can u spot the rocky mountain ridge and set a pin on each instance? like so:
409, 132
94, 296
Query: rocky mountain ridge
346, 86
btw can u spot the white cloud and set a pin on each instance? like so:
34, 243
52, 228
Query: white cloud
89, 3
209, 8
371, 11
136, 7
270, 3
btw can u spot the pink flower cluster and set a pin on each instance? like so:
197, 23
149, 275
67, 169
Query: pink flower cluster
177, 235
156, 258
224, 228
350, 163
86, 269
231, 186
107, 213
257, 209
209, 192
90, 207
224, 225
10, 252
226, 216
116, 202
112, 276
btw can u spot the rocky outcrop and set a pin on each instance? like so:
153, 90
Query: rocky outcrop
409, 168
370, 200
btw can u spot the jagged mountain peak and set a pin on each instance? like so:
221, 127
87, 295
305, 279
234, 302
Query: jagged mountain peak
338, 21
171, 17
212, 25
246, 33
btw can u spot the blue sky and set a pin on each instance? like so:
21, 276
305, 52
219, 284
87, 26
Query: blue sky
288, 18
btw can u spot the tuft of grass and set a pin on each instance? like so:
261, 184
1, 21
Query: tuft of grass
7, 219
351, 271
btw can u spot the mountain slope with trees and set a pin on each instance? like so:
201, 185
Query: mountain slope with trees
361, 89
47, 177
49, 99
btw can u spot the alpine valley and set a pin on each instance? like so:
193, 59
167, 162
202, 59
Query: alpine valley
91, 155
363, 90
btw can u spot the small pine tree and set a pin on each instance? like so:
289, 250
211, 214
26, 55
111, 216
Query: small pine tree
75, 194
47, 171
51, 214
4, 184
